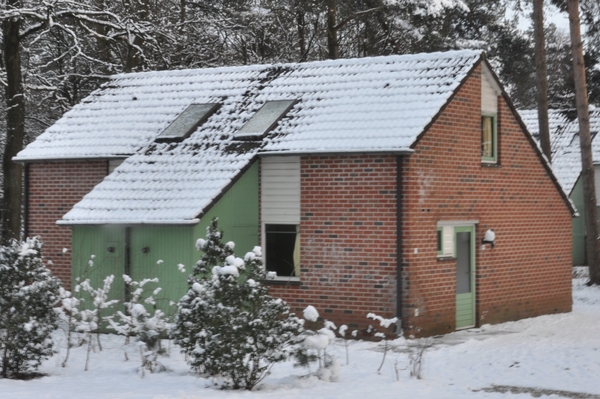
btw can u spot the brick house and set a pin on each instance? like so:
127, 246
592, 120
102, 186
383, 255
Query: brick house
336, 167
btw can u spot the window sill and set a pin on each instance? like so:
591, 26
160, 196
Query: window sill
445, 258
490, 164
283, 281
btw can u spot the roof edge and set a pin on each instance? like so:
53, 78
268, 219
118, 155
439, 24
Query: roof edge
129, 222
224, 190
395, 151
449, 100
70, 159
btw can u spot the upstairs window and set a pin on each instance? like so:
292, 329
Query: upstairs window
283, 249
187, 122
265, 119
489, 139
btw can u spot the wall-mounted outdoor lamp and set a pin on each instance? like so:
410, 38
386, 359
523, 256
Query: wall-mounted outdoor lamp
489, 238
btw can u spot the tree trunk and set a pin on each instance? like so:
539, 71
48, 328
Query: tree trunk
540, 77
102, 46
587, 163
332, 37
15, 131
182, 12
301, 24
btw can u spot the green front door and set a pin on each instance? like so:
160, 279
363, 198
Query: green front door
465, 277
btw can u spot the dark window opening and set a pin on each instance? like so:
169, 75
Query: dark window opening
282, 249
439, 241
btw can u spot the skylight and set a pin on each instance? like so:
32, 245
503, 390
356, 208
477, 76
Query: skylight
188, 121
265, 119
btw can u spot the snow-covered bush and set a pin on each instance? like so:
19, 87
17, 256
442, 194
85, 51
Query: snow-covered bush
227, 324
346, 340
69, 316
385, 323
416, 356
316, 344
89, 320
28, 292
137, 322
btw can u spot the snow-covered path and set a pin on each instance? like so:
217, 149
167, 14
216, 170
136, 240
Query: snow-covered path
558, 352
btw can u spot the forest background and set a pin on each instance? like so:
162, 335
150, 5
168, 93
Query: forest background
56, 52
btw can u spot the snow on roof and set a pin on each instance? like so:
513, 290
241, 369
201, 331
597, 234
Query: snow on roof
556, 120
564, 140
160, 189
350, 105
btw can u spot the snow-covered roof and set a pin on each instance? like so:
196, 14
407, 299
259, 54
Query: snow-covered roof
556, 120
564, 140
377, 104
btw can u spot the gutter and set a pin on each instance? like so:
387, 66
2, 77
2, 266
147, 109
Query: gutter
369, 151
165, 222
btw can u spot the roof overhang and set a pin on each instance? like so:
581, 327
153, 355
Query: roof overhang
374, 151
71, 159
175, 222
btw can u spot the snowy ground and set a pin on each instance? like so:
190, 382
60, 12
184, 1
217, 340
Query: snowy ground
558, 356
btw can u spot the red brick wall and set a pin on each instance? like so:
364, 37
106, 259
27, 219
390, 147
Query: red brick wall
348, 238
54, 187
348, 227
528, 273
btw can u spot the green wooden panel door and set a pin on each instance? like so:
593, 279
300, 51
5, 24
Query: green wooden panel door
98, 252
157, 252
465, 277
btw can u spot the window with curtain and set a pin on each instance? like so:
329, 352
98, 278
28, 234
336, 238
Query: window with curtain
488, 138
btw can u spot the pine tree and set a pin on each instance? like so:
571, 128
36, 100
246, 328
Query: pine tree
227, 324
28, 292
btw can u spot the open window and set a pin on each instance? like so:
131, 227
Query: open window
282, 248
280, 215
187, 122
265, 119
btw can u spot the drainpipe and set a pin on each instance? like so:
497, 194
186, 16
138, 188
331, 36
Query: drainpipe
127, 260
26, 202
399, 269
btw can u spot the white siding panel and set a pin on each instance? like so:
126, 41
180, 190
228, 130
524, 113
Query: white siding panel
489, 92
280, 190
489, 101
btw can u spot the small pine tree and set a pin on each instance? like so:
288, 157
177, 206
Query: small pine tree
28, 292
227, 324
